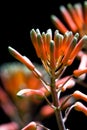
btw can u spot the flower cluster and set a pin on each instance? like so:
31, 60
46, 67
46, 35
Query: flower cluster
43, 87
72, 14
57, 51
75, 16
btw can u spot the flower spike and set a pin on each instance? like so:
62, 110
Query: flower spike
57, 51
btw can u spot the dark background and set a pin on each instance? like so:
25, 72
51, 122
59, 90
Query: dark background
16, 21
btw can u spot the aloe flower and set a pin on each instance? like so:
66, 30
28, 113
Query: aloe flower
58, 51
80, 107
75, 17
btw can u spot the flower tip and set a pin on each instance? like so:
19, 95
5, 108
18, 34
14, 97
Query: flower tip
85, 37
62, 7
53, 17
85, 3
52, 45
80, 107
32, 32
11, 50
31, 126
69, 5
21, 93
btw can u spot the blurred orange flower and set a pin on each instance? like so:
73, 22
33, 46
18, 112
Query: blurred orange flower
16, 76
75, 17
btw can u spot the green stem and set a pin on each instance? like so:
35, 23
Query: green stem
56, 104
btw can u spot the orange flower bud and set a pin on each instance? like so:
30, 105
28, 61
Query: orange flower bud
85, 11
80, 107
31, 126
21, 58
75, 16
70, 48
30, 92
77, 48
78, 72
68, 18
46, 111
52, 54
78, 9
33, 36
58, 24
79, 95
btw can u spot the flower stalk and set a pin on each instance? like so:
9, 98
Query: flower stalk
56, 104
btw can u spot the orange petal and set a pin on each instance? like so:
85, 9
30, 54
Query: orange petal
46, 111
58, 45
30, 92
58, 24
79, 95
33, 37
75, 16
85, 11
52, 55
79, 72
77, 48
80, 107
69, 49
79, 11
68, 18
48, 39
19, 57
31, 126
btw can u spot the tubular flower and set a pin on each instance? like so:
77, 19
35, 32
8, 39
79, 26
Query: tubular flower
31, 126
72, 14
80, 107
58, 51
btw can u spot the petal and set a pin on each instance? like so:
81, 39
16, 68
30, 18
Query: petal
31, 126
30, 92
79, 95
21, 58
80, 107
79, 72
77, 48
68, 18
58, 24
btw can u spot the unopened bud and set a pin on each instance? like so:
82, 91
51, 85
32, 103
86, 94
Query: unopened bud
80, 107
31, 126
